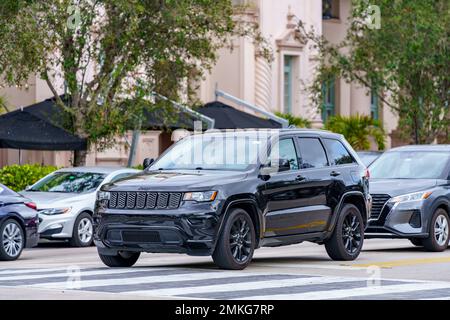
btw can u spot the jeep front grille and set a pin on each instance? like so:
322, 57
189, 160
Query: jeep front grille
144, 200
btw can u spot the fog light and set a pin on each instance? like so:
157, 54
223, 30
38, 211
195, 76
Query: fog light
55, 226
415, 221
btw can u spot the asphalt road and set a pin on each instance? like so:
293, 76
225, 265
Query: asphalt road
386, 269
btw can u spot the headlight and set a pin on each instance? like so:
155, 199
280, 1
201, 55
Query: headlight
53, 211
103, 195
412, 197
200, 196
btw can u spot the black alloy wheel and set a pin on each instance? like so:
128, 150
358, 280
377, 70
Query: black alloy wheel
347, 240
236, 242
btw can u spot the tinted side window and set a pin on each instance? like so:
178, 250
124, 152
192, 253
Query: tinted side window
312, 153
337, 152
286, 150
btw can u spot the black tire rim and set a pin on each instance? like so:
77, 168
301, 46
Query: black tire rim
240, 240
351, 233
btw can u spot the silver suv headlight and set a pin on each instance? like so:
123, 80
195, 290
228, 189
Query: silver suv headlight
411, 197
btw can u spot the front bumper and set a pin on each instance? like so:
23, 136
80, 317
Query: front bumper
58, 226
400, 220
156, 231
31, 232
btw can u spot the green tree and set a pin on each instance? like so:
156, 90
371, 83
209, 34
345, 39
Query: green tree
3, 107
358, 130
299, 122
109, 50
406, 61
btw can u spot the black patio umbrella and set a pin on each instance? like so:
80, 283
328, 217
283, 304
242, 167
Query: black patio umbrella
25, 129
227, 117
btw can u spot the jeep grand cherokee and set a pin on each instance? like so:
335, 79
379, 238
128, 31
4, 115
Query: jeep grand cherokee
225, 194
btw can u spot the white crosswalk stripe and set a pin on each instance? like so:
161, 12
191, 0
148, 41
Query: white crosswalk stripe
147, 280
234, 287
67, 274
218, 284
365, 291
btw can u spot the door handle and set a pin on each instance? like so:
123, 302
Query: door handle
335, 173
300, 178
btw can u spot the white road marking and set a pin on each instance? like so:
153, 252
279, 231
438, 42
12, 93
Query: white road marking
147, 280
310, 266
243, 286
356, 292
82, 273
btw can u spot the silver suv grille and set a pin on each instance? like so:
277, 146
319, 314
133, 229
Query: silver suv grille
144, 200
378, 202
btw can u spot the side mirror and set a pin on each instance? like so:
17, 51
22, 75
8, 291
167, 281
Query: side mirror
283, 165
148, 162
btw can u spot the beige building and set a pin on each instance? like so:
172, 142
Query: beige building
273, 86
281, 85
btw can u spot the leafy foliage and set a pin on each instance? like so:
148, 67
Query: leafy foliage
357, 130
18, 177
299, 122
406, 61
106, 50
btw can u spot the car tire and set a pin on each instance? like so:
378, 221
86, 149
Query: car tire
236, 243
121, 259
82, 227
418, 242
439, 232
12, 240
346, 242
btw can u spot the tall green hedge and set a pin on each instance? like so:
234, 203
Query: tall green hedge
18, 177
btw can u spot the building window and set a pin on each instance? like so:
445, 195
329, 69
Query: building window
330, 9
374, 105
288, 72
328, 94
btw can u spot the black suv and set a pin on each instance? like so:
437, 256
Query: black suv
225, 194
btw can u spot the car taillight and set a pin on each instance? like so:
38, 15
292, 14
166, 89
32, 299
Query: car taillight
367, 174
31, 205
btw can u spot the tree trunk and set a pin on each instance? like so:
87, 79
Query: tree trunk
80, 158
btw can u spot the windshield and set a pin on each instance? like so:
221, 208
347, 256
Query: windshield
69, 182
410, 165
212, 152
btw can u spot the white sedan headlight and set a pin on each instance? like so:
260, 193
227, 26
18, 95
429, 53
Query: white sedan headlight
54, 211
200, 196
411, 197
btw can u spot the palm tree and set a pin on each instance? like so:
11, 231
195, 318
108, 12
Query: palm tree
298, 122
358, 129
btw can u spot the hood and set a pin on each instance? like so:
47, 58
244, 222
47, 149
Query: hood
397, 187
12, 199
45, 200
176, 180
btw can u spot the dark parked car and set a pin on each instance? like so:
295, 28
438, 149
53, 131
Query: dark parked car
410, 187
226, 194
368, 157
18, 224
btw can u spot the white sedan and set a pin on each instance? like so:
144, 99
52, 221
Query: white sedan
66, 198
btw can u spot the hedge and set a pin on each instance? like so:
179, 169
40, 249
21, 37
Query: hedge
18, 177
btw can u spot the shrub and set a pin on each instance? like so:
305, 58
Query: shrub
18, 177
357, 129
299, 122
